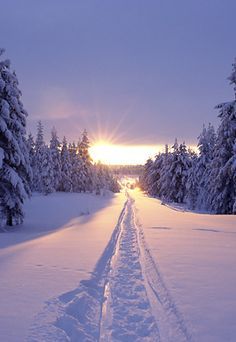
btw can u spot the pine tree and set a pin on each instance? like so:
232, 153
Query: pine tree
85, 168
206, 145
47, 174
165, 176
145, 179
31, 151
39, 158
15, 169
31, 148
66, 184
155, 175
192, 186
75, 166
221, 181
174, 174
169, 177
104, 179
180, 168
56, 161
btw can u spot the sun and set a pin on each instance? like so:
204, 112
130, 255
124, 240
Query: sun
113, 154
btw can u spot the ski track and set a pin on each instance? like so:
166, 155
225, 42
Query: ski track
171, 323
124, 300
127, 314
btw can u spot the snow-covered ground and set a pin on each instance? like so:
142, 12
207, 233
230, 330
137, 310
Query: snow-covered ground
59, 244
195, 255
117, 268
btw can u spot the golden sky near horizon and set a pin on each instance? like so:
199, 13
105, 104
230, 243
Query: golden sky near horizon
112, 154
115, 154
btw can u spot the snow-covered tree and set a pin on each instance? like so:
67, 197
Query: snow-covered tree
56, 159
15, 171
145, 179
75, 166
221, 182
31, 148
67, 168
154, 176
39, 158
43, 180
206, 145
31, 151
167, 175
104, 179
85, 169
192, 187
198, 173
66, 182
47, 175
180, 165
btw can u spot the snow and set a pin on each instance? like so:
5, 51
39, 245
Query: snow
127, 313
119, 267
195, 254
59, 244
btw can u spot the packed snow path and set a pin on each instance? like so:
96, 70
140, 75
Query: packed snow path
126, 313
125, 299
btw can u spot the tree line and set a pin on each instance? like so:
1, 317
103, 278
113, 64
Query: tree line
205, 180
31, 165
66, 167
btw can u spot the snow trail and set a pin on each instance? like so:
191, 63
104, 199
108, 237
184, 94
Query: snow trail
127, 313
124, 300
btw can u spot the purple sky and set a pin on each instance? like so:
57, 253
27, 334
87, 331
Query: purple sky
140, 72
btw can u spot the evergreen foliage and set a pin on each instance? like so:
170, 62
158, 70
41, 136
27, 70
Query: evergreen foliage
221, 178
56, 159
15, 171
67, 168
166, 176
206, 181
66, 182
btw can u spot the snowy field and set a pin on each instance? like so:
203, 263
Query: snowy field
195, 255
62, 238
117, 268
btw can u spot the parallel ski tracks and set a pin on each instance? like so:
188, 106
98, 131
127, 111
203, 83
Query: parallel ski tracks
127, 313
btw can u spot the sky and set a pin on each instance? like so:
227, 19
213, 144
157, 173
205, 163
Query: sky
132, 72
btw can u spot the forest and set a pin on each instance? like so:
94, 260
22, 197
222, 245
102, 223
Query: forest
204, 179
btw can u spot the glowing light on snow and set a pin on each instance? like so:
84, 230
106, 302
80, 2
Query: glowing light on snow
123, 154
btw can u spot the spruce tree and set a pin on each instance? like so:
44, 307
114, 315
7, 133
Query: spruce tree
180, 165
47, 175
85, 168
104, 179
206, 146
66, 183
221, 180
75, 166
145, 179
15, 169
165, 176
56, 159
31, 151
39, 158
